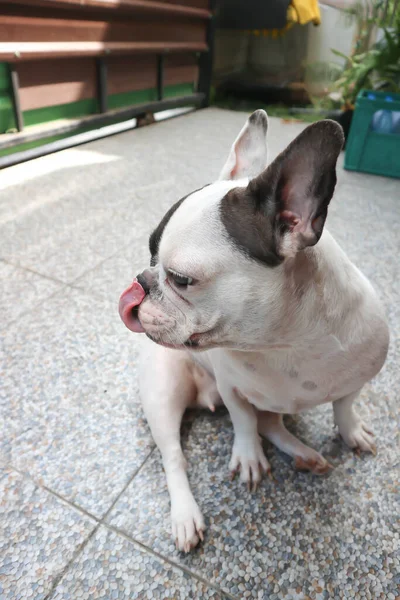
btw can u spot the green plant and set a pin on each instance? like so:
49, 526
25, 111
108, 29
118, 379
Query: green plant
377, 67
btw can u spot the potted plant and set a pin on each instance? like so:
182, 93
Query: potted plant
376, 67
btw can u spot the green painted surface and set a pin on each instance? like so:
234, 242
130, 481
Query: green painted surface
84, 108
73, 110
182, 89
6, 108
128, 98
30, 145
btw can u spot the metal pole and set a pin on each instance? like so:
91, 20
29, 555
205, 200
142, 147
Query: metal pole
206, 60
160, 77
19, 120
102, 84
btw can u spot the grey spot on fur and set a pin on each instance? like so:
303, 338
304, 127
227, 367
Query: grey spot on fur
309, 385
250, 366
293, 373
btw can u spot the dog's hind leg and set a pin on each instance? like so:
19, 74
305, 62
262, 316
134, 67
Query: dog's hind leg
167, 388
271, 426
351, 427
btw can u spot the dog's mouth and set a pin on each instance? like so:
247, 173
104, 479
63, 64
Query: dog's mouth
192, 343
189, 344
129, 304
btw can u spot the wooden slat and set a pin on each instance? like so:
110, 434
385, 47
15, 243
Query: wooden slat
131, 73
181, 68
15, 51
31, 29
139, 73
44, 83
205, 4
138, 6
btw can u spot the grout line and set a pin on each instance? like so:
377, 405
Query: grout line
70, 503
85, 273
104, 517
75, 555
102, 522
29, 270
99, 264
37, 305
168, 560
62, 287
77, 507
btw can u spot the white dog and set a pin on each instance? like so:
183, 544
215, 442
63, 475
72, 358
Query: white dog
247, 309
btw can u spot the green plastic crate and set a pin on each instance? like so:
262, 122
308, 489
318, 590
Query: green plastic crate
373, 145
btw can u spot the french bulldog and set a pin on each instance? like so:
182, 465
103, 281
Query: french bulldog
249, 302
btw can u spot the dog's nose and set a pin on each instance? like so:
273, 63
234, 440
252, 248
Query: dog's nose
145, 279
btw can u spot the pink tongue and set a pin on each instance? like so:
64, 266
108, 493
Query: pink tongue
131, 298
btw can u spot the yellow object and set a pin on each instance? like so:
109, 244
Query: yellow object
304, 11
299, 11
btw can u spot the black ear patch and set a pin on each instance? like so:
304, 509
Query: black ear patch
248, 226
155, 237
283, 209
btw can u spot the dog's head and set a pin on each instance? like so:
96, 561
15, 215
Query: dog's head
217, 257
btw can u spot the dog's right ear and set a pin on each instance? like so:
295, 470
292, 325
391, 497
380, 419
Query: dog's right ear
248, 155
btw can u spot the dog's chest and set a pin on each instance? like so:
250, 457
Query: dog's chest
286, 390
279, 382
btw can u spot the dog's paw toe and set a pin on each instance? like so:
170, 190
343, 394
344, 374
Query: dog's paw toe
359, 437
187, 527
315, 463
249, 459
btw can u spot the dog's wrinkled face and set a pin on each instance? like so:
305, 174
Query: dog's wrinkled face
217, 274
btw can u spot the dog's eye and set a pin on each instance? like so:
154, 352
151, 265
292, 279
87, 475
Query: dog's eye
181, 281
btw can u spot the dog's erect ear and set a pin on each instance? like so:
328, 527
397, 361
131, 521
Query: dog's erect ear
283, 210
248, 155
301, 181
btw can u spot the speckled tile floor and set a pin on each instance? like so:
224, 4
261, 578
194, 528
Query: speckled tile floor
83, 500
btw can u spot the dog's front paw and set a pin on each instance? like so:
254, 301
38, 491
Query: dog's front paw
358, 436
187, 524
248, 457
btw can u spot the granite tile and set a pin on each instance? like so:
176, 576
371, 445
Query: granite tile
110, 566
70, 413
21, 290
300, 537
72, 233
387, 186
39, 535
69, 406
362, 224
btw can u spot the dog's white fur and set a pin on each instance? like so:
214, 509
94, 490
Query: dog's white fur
275, 340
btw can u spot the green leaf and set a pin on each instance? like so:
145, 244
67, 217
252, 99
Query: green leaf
341, 55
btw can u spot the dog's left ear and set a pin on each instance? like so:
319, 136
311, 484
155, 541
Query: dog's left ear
298, 186
283, 210
248, 155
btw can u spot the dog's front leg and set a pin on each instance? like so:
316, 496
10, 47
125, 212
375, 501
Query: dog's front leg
247, 454
167, 389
